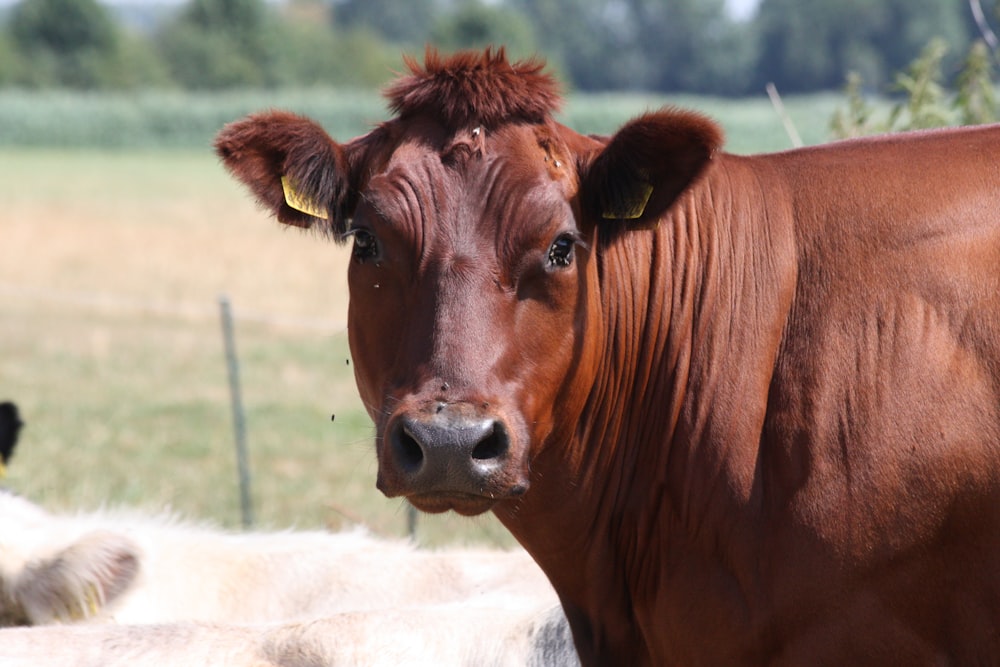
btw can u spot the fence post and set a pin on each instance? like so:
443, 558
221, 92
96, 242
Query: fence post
239, 417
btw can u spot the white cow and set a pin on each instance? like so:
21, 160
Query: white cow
183, 594
134, 568
438, 635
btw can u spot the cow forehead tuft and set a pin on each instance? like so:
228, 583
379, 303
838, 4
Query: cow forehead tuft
471, 88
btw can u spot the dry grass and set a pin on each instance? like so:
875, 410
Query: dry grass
111, 265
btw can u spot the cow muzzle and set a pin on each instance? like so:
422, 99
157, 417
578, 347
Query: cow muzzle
449, 457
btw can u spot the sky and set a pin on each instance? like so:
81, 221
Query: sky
742, 9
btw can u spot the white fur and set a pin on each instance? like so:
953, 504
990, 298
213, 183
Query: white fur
192, 595
134, 568
438, 636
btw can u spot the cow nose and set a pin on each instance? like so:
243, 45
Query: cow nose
445, 452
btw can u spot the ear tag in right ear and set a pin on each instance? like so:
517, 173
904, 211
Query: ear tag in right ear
299, 202
633, 206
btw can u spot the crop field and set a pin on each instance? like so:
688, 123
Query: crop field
160, 119
113, 255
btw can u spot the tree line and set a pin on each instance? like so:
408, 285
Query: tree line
594, 45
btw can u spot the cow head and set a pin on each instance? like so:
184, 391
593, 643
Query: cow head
475, 317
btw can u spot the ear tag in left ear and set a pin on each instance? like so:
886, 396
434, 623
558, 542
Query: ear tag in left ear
632, 206
298, 202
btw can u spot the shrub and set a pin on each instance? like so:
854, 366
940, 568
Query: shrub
926, 100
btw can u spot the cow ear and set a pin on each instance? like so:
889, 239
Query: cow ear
78, 582
647, 164
293, 167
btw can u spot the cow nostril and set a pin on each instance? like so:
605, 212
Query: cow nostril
493, 446
410, 453
429, 450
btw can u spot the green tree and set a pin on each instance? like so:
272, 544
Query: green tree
810, 44
10, 62
222, 44
476, 25
571, 38
665, 45
65, 27
312, 52
401, 21
692, 45
73, 43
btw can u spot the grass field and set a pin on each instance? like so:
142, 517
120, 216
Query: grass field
111, 266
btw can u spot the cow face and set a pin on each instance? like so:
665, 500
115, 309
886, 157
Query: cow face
475, 317
467, 285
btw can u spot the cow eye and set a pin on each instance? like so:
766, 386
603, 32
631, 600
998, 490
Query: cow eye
365, 245
561, 251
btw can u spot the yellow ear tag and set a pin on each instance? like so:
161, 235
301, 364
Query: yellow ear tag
633, 207
3, 470
93, 601
298, 202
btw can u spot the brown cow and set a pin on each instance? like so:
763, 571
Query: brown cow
741, 410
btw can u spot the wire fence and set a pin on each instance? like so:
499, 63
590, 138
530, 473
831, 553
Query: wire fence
113, 302
145, 420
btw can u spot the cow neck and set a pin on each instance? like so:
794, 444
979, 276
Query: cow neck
693, 314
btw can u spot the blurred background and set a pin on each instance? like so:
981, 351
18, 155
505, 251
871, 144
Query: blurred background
119, 230
716, 47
